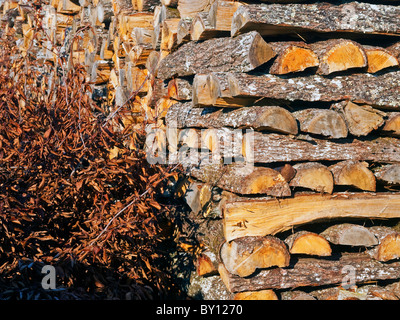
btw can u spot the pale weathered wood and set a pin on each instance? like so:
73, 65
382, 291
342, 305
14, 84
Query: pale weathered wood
271, 118
392, 124
354, 17
339, 55
350, 235
305, 242
323, 122
388, 175
314, 176
242, 53
360, 88
355, 174
245, 255
314, 272
262, 217
292, 57
189, 8
202, 29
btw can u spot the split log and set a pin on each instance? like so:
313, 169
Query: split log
287, 172
304, 242
206, 264
355, 174
197, 195
389, 244
202, 29
379, 59
181, 90
243, 53
146, 5
392, 125
313, 272
360, 120
183, 32
339, 55
189, 8
360, 88
252, 217
221, 14
245, 255
271, 118
269, 148
243, 179
388, 175
169, 34
292, 57
354, 17
170, 3
323, 122
256, 295
314, 176
350, 235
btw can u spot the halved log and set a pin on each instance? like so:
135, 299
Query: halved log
243, 53
389, 244
360, 88
221, 14
313, 272
245, 255
360, 120
269, 148
181, 90
355, 174
292, 57
271, 118
189, 8
388, 175
314, 176
354, 17
252, 217
243, 179
339, 55
183, 32
324, 122
350, 235
169, 33
305, 242
256, 295
392, 125
202, 29
379, 58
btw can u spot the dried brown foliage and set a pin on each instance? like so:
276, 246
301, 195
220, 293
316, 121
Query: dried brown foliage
64, 201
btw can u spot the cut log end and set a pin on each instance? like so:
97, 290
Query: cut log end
350, 234
244, 255
355, 174
294, 59
309, 243
314, 176
379, 59
260, 52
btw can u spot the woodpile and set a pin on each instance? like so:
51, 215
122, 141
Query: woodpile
300, 91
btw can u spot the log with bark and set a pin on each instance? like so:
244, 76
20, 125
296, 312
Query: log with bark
181, 90
360, 88
339, 55
292, 57
270, 118
389, 244
314, 176
392, 124
353, 17
243, 53
306, 272
202, 29
189, 8
252, 217
309, 243
349, 234
379, 58
388, 175
245, 255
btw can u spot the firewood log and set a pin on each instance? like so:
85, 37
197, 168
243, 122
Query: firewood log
360, 120
104, 11
323, 122
287, 171
169, 34
313, 272
392, 124
269, 148
243, 179
305, 242
256, 295
360, 88
221, 13
206, 264
243, 53
271, 118
183, 31
145, 5
354, 17
202, 29
388, 175
350, 235
252, 217
389, 244
339, 55
355, 174
379, 58
170, 3
181, 90
296, 295
245, 255
68, 7
314, 176
292, 57
189, 8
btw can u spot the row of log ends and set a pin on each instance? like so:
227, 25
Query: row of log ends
322, 106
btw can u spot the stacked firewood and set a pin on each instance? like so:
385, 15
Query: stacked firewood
292, 113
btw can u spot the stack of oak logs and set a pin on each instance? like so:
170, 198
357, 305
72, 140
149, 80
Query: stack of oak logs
300, 101
294, 111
